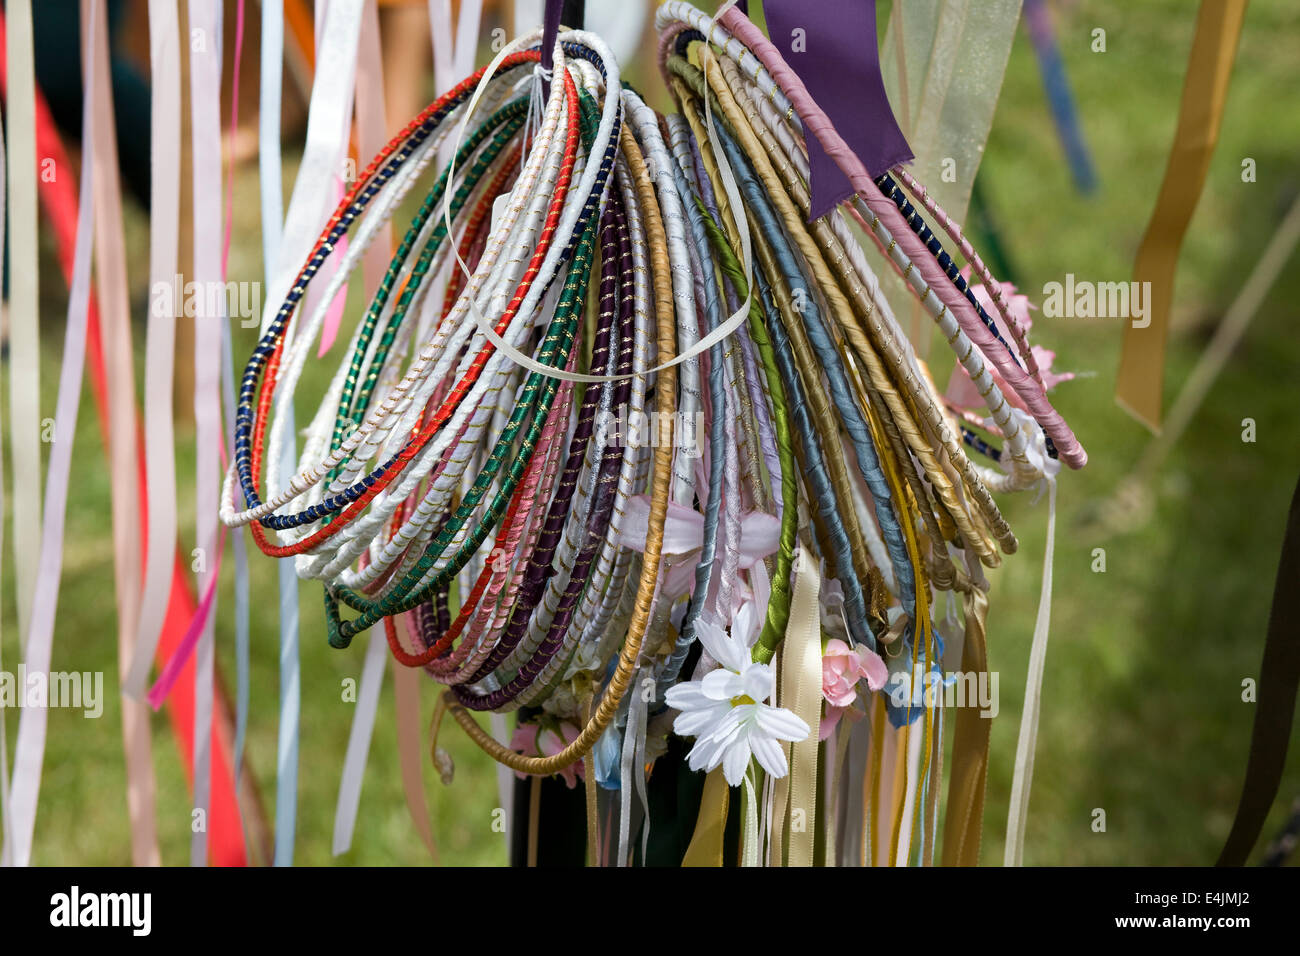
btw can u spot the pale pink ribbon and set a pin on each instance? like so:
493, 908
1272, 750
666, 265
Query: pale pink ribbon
114, 310
29, 753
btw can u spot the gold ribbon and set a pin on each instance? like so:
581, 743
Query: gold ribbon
964, 822
1140, 384
711, 826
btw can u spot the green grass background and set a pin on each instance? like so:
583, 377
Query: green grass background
1142, 713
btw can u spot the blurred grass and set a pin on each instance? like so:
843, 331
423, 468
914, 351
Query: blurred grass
1142, 713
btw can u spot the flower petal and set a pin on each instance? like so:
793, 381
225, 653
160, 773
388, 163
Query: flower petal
711, 751
683, 530
836, 648
678, 575
722, 684
687, 695
744, 624
702, 755
635, 528
760, 533
719, 644
736, 760
683, 527
756, 682
781, 723
702, 722
830, 721
770, 754
873, 669
732, 724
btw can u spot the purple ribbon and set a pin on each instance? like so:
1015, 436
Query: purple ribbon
550, 31
831, 44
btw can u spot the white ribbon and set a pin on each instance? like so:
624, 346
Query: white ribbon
160, 342
29, 753
1024, 772
370, 113
4, 735
24, 305
205, 128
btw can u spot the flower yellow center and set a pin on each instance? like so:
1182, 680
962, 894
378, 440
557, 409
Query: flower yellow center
742, 699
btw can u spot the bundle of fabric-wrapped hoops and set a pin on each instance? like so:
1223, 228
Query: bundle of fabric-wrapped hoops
627, 445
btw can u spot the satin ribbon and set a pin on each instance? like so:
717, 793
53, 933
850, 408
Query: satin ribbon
1024, 771
24, 308
6, 839
205, 129
1139, 386
453, 61
749, 829
198, 626
29, 752
286, 783
946, 59
840, 65
271, 189
370, 111
705, 848
406, 691
171, 670
447, 64
633, 738
331, 102
114, 310
242, 597
334, 316
354, 759
944, 62
911, 784
1279, 676
372, 125
1038, 20
801, 692
160, 340
337, 187
268, 134
964, 821
239, 545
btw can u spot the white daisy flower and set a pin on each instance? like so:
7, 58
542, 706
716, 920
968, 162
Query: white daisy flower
727, 712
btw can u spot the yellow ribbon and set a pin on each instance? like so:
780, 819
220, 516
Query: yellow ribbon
1139, 387
970, 749
711, 826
